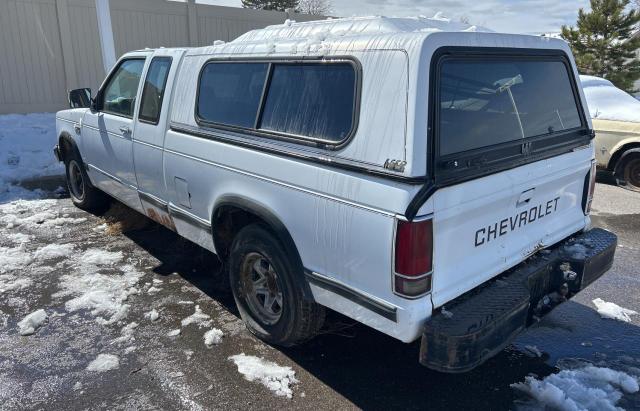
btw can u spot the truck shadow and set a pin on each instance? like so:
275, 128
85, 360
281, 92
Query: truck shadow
368, 368
374, 371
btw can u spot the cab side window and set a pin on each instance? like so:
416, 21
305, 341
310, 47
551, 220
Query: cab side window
153, 91
119, 95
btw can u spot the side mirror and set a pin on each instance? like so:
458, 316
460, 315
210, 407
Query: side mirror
80, 98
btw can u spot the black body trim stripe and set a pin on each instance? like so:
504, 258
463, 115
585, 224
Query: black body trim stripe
388, 312
153, 200
188, 218
323, 160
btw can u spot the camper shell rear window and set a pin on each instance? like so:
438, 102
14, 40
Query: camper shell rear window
495, 109
307, 101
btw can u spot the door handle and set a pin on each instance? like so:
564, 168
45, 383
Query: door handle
125, 129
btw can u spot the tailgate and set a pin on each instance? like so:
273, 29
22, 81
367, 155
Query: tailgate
511, 153
488, 225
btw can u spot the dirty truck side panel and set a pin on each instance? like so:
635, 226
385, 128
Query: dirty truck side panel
327, 230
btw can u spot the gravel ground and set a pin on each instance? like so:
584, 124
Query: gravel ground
101, 280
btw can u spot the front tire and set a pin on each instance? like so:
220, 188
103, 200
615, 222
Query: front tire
628, 172
83, 195
267, 288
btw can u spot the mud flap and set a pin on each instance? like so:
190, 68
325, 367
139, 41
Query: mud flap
482, 322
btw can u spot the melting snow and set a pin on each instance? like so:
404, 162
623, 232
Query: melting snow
104, 362
96, 256
32, 322
586, 388
533, 350
25, 147
213, 336
14, 258
198, 317
613, 311
53, 251
103, 294
174, 333
18, 238
10, 282
153, 315
276, 378
126, 333
608, 102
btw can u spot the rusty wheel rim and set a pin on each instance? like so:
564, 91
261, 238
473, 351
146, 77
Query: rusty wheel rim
261, 288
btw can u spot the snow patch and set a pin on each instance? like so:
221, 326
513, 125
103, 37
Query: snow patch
10, 282
126, 333
213, 336
613, 311
439, 16
14, 258
153, 290
533, 351
198, 317
95, 256
103, 294
32, 322
18, 238
273, 376
174, 333
152, 315
25, 147
607, 102
104, 362
585, 388
53, 251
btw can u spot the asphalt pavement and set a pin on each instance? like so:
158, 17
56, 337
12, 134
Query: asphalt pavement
348, 366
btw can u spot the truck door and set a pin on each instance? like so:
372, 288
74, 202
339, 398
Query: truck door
108, 131
151, 127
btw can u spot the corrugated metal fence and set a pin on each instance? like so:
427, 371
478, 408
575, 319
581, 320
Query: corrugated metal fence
50, 46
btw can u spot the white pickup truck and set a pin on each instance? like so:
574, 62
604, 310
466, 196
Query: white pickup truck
422, 177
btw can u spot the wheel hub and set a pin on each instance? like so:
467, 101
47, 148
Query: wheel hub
76, 180
261, 288
632, 174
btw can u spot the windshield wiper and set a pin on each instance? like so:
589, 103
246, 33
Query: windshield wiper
505, 84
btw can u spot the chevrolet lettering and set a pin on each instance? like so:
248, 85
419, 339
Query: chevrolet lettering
514, 222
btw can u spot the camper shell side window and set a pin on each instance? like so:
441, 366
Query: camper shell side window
313, 102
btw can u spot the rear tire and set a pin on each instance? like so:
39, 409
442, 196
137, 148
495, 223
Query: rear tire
628, 172
267, 288
83, 195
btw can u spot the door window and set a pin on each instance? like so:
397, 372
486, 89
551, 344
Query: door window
153, 91
119, 96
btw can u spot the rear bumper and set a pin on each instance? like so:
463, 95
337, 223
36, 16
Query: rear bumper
482, 322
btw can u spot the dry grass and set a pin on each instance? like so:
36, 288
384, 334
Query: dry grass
121, 219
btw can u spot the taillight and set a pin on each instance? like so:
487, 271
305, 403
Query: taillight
413, 258
589, 187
